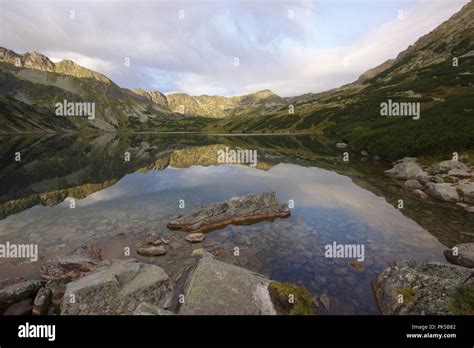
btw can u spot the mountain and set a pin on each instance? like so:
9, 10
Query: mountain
426, 72
436, 71
219, 107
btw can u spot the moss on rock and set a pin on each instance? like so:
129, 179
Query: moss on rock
290, 299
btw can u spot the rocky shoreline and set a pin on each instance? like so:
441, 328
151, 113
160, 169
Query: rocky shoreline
447, 181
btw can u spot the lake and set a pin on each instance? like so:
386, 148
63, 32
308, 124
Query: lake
127, 186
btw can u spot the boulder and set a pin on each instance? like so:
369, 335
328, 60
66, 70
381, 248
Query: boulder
19, 292
72, 265
413, 184
146, 308
445, 166
236, 210
218, 288
461, 254
364, 153
425, 288
195, 237
443, 192
118, 289
466, 191
404, 171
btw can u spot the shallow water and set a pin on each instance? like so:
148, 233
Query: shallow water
120, 203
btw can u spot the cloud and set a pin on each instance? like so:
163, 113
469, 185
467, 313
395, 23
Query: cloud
323, 46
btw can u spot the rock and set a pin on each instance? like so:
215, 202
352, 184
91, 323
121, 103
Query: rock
469, 209
420, 194
10, 281
404, 170
376, 158
445, 166
459, 173
437, 179
118, 289
406, 160
20, 308
152, 251
218, 288
466, 191
427, 287
358, 266
201, 252
364, 153
154, 240
236, 210
326, 301
414, 184
341, 145
146, 308
443, 192
423, 178
195, 237
461, 254
19, 292
73, 265
448, 179
42, 301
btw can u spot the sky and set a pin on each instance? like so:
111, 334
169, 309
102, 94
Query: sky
222, 47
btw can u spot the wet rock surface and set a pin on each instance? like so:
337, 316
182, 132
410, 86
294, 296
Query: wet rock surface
236, 210
425, 287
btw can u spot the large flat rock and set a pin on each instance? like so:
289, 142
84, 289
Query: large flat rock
118, 289
219, 288
236, 210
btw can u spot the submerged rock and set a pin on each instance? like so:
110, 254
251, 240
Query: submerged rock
443, 192
236, 210
404, 170
118, 289
146, 308
461, 254
417, 287
19, 292
152, 251
218, 288
195, 237
73, 265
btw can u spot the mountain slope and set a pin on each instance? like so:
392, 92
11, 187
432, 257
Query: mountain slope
423, 73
